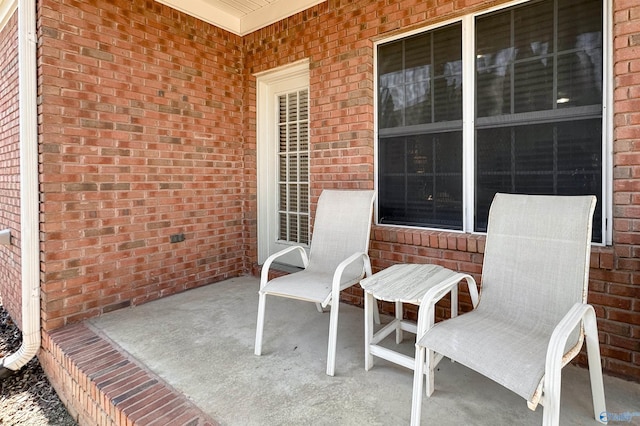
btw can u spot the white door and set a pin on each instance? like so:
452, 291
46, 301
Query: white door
283, 161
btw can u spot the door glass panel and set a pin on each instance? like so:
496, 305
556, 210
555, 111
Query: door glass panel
293, 164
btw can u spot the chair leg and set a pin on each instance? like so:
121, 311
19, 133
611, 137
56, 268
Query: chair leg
333, 337
595, 366
260, 323
551, 393
418, 380
319, 308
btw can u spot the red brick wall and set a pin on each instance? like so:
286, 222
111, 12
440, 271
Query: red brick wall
10, 264
338, 36
141, 139
616, 284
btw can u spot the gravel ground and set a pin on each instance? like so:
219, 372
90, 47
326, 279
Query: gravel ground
27, 397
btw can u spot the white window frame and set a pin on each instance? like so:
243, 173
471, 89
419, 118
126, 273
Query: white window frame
468, 116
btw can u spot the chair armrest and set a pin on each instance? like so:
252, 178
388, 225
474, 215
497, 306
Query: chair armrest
426, 315
337, 275
579, 313
264, 275
555, 351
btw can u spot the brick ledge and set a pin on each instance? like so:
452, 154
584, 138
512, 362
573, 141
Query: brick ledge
101, 384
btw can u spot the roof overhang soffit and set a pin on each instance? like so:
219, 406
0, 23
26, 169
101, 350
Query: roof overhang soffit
241, 17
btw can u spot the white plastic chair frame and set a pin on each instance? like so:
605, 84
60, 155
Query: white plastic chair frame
357, 258
426, 360
547, 394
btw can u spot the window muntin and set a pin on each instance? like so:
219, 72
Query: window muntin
537, 102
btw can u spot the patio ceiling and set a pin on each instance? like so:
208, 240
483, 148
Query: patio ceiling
240, 16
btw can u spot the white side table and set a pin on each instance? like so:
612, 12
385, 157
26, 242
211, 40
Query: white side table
402, 283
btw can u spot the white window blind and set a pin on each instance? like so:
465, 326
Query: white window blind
293, 167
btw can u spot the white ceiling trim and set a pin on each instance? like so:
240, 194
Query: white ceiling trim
7, 7
240, 17
274, 12
207, 12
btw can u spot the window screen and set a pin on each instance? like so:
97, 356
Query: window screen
420, 129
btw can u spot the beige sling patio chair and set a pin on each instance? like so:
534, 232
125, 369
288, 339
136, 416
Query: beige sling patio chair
532, 316
337, 260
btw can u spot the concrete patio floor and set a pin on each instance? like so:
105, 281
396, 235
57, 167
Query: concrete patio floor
201, 343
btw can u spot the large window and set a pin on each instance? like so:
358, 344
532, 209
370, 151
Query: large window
533, 94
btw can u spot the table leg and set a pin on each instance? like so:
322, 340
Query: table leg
368, 330
399, 333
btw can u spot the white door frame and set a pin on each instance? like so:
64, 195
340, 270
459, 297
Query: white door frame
268, 84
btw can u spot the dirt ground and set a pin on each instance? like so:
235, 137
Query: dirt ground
27, 397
